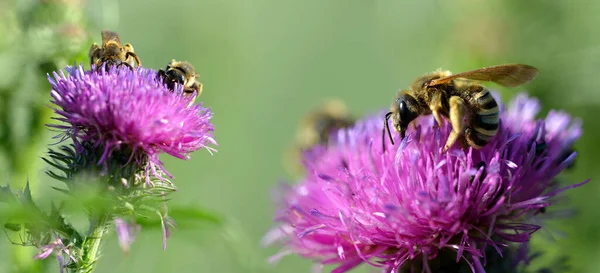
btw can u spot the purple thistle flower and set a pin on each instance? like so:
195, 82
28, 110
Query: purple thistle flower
129, 109
400, 209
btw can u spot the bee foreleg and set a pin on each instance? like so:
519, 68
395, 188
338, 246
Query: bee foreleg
161, 75
435, 107
438, 118
130, 53
136, 58
128, 47
457, 113
199, 89
125, 64
94, 53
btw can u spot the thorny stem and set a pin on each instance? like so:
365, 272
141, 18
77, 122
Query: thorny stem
91, 245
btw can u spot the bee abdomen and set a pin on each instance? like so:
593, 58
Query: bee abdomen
484, 123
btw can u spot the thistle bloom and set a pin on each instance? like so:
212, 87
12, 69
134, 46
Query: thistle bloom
125, 109
403, 208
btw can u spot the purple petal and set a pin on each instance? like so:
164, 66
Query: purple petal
166, 223
126, 233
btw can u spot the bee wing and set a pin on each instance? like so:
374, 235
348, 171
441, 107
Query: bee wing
510, 75
108, 35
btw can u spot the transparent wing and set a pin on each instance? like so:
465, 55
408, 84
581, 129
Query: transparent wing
108, 35
510, 75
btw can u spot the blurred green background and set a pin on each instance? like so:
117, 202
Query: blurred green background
265, 63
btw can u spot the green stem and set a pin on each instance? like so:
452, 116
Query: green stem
90, 248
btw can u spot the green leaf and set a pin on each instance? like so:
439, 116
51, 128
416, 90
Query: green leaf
194, 214
185, 217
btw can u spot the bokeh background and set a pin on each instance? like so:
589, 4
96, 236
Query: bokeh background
264, 64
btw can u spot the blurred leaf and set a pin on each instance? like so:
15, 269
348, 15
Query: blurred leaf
185, 217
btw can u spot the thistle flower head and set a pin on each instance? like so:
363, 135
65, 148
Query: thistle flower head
402, 208
129, 110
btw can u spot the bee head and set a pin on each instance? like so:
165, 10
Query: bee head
323, 126
112, 48
404, 110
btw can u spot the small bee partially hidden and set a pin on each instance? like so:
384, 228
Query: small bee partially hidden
113, 52
182, 73
316, 127
456, 97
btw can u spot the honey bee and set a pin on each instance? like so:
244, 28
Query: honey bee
182, 73
457, 97
315, 129
113, 52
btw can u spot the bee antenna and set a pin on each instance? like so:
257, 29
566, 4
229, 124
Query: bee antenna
386, 126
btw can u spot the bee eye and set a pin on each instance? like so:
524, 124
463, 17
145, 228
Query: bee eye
403, 109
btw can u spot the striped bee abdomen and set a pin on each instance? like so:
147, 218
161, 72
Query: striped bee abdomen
484, 122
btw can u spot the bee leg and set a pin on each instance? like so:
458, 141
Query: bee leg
130, 53
194, 92
199, 89
438, 119
457, 113
135, 57
128, 48
94, 53
125, 64
160, 76
435, 106
191, 102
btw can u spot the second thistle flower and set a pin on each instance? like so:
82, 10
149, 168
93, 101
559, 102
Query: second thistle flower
125, 109
413, 208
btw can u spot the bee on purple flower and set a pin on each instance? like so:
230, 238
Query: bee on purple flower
405, 208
